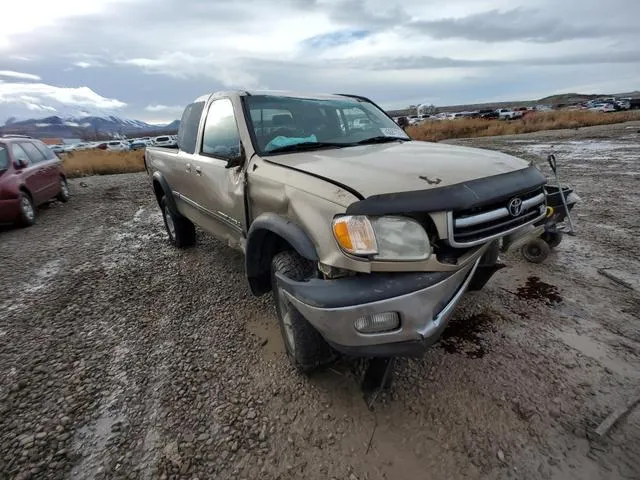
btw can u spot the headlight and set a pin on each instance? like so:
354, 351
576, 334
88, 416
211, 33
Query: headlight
382, 238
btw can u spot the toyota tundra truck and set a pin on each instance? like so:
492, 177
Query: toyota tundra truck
366, 239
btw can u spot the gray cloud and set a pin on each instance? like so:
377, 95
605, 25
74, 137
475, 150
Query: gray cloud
517, 24
155, 54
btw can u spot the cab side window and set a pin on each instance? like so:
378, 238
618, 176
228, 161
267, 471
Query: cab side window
19, 154
45, 150
188, 131
4, 158
221, 138
35, 155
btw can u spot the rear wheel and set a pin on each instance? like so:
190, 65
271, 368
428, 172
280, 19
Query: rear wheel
64, 195
305, 347
181, 231
27, 211
536, 251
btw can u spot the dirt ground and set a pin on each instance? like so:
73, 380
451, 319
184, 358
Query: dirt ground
121, 357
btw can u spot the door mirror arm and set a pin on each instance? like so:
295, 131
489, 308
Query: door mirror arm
238, 160
20, 164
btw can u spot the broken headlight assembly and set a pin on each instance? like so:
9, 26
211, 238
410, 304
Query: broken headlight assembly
386, 238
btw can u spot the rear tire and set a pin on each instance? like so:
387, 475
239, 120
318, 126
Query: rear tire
181, 231
27, 211
305, 347
536, 251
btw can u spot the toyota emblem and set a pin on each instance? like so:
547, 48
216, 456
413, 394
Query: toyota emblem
515, 207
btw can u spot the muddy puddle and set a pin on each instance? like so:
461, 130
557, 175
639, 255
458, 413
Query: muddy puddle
465, 336
536, 289
267, 331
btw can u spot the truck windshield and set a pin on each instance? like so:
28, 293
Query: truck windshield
280, 124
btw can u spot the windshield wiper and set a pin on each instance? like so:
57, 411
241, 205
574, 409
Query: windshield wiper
380, 139
297, 147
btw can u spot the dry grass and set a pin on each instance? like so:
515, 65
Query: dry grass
474, 127
98, 162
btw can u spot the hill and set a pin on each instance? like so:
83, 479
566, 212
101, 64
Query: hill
88, 128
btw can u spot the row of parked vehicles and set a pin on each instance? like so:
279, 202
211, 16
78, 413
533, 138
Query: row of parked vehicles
487, 114
119, 145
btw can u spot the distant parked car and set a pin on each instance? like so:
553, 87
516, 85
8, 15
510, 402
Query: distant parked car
506, 114
164, 141
30, 175
139, 144
488, 114
603, 107
117, 146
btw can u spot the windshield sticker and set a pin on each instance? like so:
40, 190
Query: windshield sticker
392, 132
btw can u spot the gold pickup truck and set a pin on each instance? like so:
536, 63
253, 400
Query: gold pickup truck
366, 238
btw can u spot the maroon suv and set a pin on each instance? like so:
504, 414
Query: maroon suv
30, 175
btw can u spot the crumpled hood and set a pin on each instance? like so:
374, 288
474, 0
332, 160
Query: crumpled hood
401, 167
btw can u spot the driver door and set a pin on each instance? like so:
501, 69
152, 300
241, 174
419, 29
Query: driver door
217, 192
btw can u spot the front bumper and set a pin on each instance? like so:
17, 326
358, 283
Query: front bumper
424, 302
9, 210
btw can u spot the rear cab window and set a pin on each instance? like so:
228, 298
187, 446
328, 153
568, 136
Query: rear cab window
189, 123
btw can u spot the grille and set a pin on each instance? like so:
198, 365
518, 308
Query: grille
481, 224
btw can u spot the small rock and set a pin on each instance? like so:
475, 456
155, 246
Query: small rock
203, 437
500, 455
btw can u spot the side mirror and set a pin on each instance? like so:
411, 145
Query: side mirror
236, 161
20, 164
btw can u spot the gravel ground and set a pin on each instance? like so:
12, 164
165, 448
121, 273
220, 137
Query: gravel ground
121, 357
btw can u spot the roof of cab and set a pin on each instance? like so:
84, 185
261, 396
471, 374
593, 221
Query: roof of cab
276, 93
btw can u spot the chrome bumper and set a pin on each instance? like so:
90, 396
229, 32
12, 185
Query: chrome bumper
423, 315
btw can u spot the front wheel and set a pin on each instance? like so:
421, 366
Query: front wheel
305, 347
27, 211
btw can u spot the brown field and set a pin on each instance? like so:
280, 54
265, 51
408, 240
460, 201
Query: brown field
98, 162
435, 131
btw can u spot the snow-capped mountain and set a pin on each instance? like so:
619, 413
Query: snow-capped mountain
85, 126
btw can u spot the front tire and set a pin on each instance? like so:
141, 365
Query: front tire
181, 231
27, 211
305, 347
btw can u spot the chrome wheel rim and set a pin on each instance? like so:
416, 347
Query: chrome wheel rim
64, 189
27, 209
170, 225
285, 312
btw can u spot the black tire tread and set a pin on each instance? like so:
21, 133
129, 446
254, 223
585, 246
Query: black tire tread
22, 220
312, 351
185, 229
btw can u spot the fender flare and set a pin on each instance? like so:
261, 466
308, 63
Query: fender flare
166, 189
256, 265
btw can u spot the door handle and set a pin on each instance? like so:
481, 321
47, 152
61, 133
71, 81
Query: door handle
198, 171
188, 167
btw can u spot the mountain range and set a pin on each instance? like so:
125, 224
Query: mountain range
86, 127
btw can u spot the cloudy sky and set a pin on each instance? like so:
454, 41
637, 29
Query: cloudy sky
146, 59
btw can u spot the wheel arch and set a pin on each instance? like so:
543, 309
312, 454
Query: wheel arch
161, 189
269, 234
